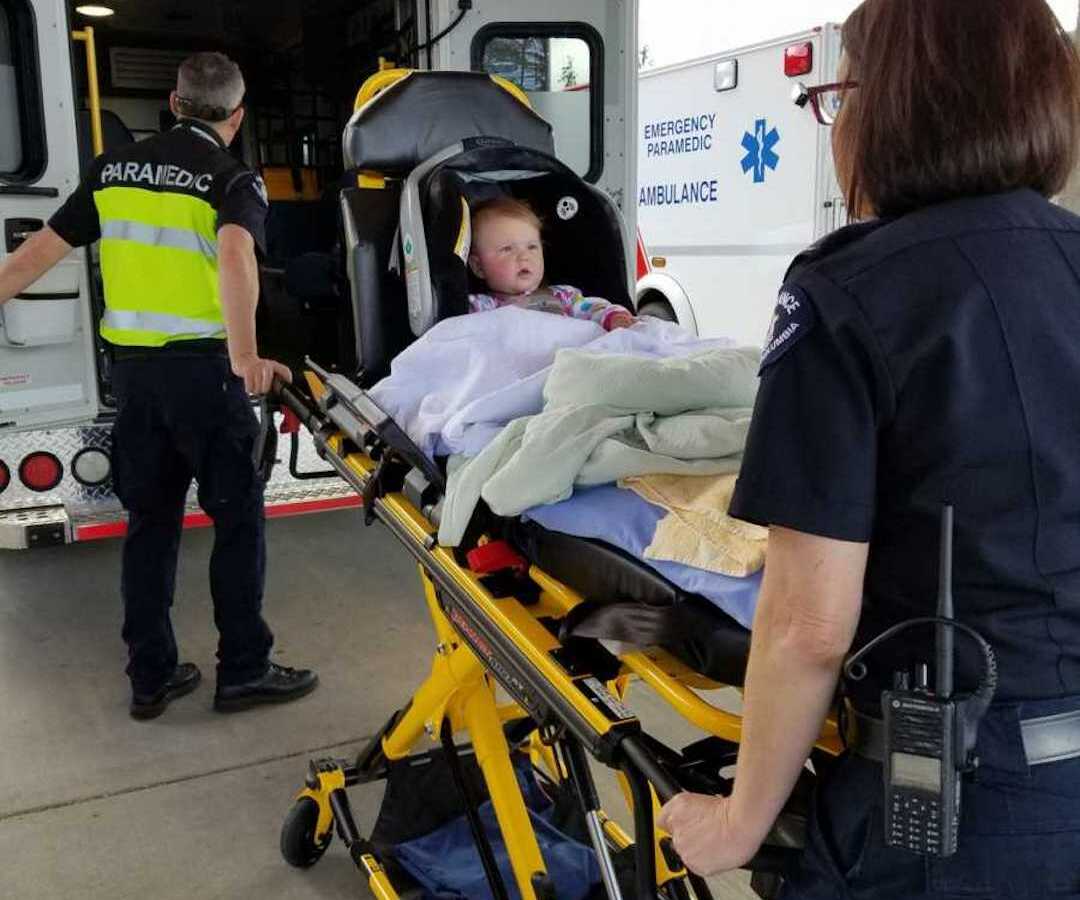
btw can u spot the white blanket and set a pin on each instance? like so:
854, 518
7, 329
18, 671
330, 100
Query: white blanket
608, 417
455, 388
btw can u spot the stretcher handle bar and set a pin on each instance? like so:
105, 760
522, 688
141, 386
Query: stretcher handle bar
307, 414
641, 759
769, 859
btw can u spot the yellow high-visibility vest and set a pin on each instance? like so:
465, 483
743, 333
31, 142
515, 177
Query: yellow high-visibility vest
156, 207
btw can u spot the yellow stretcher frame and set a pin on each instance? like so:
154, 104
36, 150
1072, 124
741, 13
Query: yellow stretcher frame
461, 687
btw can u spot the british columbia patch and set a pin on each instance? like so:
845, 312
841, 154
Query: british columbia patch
791, 321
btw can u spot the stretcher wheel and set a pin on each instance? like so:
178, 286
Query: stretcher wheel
298, 844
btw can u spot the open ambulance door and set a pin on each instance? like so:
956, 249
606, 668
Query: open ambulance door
48, 374
576, 60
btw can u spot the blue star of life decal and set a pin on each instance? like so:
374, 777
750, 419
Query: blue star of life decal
759, 150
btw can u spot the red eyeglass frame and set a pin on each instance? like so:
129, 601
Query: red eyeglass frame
803, 95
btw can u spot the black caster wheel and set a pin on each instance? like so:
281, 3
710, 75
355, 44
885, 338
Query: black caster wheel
298, 844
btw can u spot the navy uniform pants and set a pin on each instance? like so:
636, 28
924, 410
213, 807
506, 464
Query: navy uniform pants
181, 416
1019, 830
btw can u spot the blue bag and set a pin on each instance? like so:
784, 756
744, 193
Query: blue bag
447, 864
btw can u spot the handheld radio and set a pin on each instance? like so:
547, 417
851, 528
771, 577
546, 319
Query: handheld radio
929, 733
922, 771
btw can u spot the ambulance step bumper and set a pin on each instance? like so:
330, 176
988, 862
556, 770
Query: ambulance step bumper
42, 526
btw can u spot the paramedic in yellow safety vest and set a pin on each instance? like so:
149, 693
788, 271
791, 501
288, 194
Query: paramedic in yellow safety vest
179, 222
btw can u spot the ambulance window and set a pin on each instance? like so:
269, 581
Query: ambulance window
561, 68
21, 156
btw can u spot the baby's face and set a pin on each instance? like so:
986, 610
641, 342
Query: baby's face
508, 255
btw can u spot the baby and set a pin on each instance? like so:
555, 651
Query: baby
508, 257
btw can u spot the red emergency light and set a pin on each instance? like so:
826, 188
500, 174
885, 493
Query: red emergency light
41, 471
799, 59
5, 476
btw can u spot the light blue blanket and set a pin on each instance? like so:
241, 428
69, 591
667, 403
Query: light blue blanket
623, 519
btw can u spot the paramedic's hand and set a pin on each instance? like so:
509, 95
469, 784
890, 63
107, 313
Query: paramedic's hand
259, 373
705, 835
621, 319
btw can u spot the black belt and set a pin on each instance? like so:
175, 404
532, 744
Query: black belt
1046, 739
200, 347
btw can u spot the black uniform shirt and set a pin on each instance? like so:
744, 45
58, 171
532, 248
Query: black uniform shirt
189, 159
927, 360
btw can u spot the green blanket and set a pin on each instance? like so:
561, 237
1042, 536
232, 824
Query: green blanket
606, 417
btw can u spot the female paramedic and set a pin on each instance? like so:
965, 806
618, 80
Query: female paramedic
928, 355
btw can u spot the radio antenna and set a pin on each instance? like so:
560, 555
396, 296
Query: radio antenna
944, 632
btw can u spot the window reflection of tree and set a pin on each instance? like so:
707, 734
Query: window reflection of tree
524, 61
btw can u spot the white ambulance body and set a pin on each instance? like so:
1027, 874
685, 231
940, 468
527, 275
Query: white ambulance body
734, 179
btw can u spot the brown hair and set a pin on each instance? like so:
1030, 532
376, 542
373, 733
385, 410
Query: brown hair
955, 98
509, 207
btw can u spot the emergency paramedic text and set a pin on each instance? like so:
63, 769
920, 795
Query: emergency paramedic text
672, 137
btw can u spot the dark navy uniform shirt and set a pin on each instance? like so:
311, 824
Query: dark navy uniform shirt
191, 158
933, 359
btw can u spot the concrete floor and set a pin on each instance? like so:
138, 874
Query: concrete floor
95, 805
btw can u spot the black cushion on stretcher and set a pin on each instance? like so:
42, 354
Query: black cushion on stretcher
627, 600
427, 112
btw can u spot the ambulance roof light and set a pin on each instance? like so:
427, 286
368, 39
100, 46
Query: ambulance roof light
799, 59
726, 75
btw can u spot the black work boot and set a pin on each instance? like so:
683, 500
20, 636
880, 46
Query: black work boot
280, 684
183, 681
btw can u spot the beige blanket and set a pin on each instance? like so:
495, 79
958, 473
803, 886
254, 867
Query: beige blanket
697, 530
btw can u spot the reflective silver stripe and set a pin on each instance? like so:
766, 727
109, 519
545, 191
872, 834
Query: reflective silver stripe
161, 323
153, 236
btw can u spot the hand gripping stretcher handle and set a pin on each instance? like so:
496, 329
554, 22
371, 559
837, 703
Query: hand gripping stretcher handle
769, 858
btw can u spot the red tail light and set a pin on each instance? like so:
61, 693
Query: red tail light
5, 476
799, 59
41, 471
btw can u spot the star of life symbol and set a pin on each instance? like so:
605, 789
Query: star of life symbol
759, 150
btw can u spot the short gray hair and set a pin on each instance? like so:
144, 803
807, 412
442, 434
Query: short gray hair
209, 86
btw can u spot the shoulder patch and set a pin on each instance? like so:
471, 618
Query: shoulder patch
792, 320
245, 178
260, 189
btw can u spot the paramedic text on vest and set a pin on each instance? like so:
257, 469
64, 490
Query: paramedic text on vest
929, 355
179, 222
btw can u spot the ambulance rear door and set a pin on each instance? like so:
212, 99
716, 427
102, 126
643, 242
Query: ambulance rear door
48, 374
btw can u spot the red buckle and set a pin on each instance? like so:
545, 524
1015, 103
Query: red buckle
495, 556
290, 421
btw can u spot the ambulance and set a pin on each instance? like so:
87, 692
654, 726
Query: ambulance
734, 179
77, 79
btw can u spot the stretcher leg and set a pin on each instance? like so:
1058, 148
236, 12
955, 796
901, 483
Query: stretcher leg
453, 669
481, 717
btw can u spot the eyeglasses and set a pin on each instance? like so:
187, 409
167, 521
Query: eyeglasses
202, 111
825, 99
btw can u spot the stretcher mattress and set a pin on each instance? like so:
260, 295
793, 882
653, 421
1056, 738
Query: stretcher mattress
621, 518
